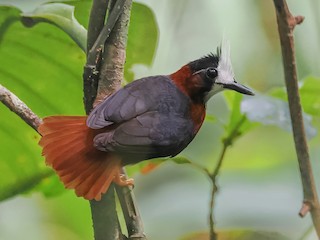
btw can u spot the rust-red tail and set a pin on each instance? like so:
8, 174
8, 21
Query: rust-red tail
68, 148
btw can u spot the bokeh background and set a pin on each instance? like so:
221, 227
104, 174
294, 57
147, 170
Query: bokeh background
259, 183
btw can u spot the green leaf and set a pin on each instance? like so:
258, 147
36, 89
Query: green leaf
271, 111
61, 15
310, 97
180, 160
309, 94
29, 5
238, 123
279, 92
43, 67
146, 167
210, 118
142, 40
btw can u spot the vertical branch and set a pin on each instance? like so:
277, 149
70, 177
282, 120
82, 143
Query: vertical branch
286, 23
131, 213
114, 55
104, 217
91, 68
96, 21
102, 76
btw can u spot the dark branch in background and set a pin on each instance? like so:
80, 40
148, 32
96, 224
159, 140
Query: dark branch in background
102, 76
286, 23
19, 108
227, 142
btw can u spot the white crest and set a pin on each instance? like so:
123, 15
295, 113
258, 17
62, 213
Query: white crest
225, 72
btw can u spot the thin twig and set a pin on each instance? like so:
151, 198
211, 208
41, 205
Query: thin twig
227, 142
25, 113
286, 23
19, 108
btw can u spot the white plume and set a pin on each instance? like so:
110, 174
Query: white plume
225, 72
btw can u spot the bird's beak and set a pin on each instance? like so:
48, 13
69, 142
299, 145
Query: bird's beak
239, 88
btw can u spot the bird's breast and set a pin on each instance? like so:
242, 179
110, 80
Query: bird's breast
197, 114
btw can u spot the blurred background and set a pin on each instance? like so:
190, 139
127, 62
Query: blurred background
259, 183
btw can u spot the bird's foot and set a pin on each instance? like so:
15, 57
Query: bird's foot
123, 181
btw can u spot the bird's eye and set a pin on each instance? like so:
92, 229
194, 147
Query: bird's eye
211, 73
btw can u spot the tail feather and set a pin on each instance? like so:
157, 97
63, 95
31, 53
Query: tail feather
66, 163
53, 137
73, 179
61, 155
100, 183
68, 148
85, 186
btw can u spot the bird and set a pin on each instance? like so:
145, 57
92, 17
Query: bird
152, 117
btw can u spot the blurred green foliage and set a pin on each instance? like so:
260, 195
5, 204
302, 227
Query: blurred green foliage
49, 76
43, 66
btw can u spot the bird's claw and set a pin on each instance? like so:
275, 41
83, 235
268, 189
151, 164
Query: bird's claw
123, 181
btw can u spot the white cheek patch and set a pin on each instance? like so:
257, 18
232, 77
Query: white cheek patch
215, 89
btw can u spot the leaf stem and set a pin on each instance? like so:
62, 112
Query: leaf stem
227, 142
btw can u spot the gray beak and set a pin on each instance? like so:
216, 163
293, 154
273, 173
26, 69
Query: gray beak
239, 88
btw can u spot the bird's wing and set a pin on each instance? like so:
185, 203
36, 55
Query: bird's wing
133, 100
149, 135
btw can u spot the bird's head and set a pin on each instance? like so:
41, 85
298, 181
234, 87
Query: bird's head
204, 77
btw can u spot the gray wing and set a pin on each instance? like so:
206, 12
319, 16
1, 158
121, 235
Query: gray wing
133, 100
152, 120
149, 135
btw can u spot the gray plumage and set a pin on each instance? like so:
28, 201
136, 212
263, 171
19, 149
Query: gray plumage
151, 118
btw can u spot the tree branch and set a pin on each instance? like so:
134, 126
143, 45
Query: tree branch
19, 108
114, 54
96, 45
25, 113
104, 217
286, 23
96, 21
131, 213
105, 61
